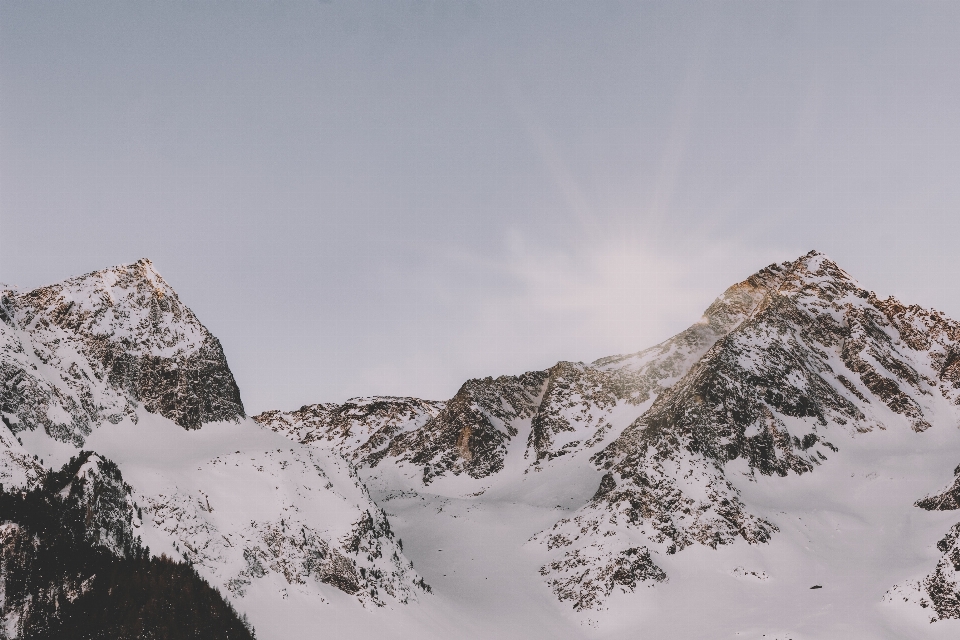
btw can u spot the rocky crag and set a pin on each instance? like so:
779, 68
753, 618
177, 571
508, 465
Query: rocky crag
96, 347
812, 354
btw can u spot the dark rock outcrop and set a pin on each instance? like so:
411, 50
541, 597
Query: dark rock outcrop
95, 347
470, 434
946, 500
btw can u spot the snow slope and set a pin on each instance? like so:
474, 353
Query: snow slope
244, 505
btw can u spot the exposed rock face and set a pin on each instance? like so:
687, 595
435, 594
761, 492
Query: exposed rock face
947, 500
470, 434
805, 350
360, 429
575, 408
93, 348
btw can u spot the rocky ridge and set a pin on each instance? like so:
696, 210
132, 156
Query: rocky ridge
360, 429
467, 434
816, 357
94, 348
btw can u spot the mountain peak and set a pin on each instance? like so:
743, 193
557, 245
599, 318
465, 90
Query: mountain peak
138, 277
123, 338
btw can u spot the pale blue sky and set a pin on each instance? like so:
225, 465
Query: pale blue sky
363, 198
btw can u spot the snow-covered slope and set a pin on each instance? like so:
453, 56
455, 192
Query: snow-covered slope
782, 440
18, 468
244, 505
112, 362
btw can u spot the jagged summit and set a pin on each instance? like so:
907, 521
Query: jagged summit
805, 360
97, 346
783, 372
131, 302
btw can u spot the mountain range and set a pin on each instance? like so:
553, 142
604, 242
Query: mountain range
786, 467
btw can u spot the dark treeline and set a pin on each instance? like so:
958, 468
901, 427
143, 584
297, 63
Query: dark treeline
59, 582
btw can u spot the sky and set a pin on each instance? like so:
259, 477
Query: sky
391, 198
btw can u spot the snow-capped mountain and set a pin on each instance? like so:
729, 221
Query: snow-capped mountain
798, 394
112, 362
785, 468
94, 348
815, 358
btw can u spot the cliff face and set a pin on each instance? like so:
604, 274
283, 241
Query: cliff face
815, 359
93, 348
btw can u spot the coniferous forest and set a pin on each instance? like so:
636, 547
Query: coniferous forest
71, 568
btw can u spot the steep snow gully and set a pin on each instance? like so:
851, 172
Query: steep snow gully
787, 467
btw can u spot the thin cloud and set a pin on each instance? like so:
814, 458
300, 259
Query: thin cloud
538, 304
